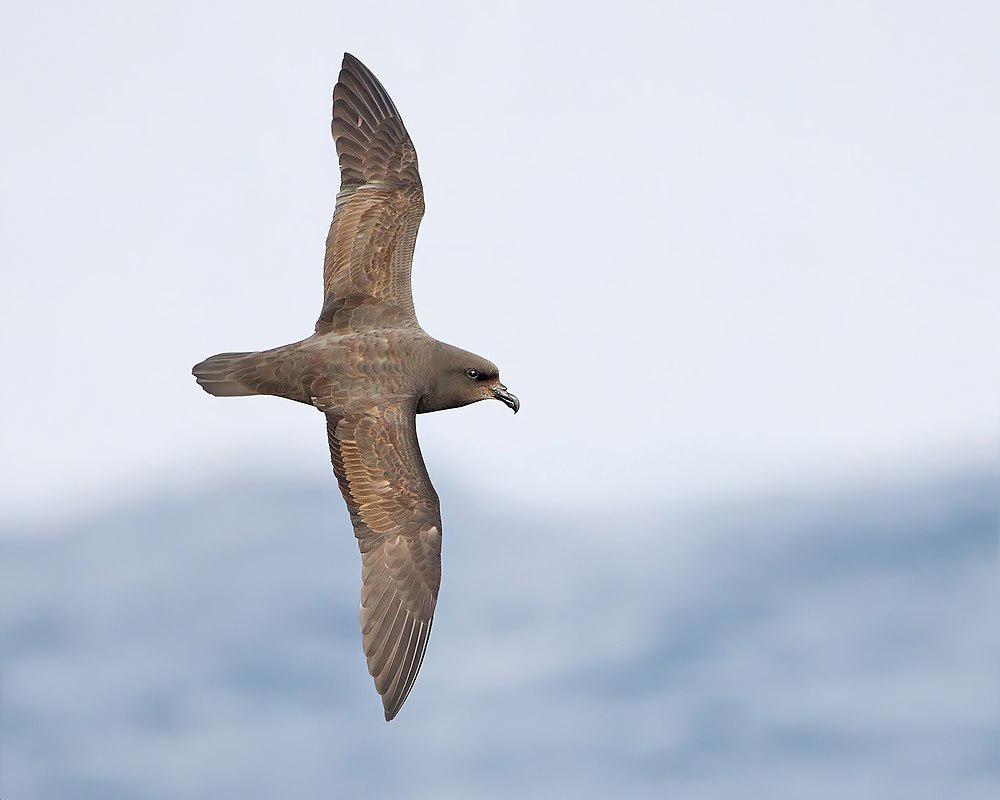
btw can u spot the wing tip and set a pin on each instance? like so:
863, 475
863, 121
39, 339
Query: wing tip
394, 701
357, 81
353, 65
391, 710
392, 705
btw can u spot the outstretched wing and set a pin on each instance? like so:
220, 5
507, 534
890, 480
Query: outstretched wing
397, 520
369, 251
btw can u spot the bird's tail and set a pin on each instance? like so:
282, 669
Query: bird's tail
220, 375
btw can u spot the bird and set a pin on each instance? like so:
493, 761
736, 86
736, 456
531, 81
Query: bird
370, 368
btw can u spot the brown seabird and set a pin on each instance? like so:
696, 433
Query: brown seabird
370, 368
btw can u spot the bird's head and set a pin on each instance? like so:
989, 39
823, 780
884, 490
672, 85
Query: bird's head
459, 378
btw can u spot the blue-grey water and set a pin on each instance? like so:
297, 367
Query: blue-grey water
205, 646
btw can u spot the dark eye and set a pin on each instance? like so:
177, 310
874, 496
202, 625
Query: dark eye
472, 373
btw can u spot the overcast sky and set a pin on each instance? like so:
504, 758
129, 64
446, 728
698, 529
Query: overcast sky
714, 247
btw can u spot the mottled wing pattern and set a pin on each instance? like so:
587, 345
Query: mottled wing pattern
369, 250
397, 520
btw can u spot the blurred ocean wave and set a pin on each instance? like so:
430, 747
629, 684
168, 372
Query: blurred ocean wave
206, 646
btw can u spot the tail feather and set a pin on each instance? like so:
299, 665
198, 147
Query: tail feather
219, 375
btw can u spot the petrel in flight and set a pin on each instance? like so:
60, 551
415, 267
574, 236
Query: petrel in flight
370, 368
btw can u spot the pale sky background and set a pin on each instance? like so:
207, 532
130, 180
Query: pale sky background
716, 248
